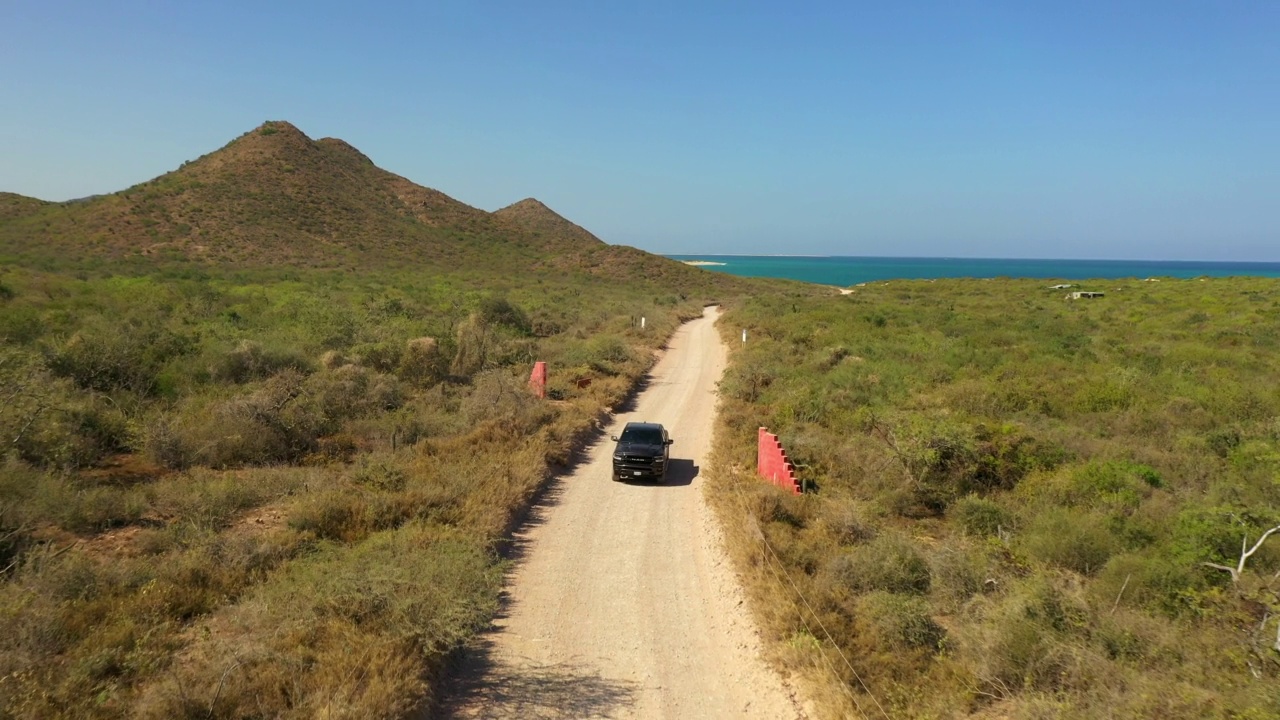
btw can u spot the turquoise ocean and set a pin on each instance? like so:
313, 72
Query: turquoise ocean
843, 271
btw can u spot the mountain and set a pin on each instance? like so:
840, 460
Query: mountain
275, 196
532, 216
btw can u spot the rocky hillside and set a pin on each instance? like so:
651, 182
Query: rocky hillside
275, 196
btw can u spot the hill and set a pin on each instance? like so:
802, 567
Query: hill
577, 250
532, 216
13, 206
275, 196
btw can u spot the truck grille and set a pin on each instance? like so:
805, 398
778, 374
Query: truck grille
639, 460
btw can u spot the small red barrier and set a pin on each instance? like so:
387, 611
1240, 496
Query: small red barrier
538, 379
772, 463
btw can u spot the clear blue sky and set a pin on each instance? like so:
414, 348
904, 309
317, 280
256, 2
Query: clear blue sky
1018, 129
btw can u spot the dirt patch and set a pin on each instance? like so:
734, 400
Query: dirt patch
261, 520
121, 542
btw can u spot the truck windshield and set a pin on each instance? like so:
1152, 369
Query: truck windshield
649, 436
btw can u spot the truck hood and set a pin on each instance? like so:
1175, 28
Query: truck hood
638, 448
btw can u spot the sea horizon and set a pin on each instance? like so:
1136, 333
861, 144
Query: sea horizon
846, 270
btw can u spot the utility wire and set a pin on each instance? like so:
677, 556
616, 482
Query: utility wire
781, 572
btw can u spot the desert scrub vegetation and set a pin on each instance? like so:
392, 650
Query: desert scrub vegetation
1016, 495
280, 493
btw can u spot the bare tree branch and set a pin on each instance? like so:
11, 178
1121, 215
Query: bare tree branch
1245, 553
1234, 574
1120, 594
214, 703
891, 441
34, 416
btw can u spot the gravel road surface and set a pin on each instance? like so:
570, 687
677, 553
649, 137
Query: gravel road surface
623, 603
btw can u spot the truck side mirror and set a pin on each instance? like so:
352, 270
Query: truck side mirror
669, 441
613, 438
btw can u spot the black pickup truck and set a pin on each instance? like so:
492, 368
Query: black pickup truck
641, 453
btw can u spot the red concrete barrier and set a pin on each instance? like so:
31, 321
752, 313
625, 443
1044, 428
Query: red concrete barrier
772, 463
538, 379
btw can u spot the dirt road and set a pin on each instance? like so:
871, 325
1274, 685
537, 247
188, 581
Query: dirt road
623, 604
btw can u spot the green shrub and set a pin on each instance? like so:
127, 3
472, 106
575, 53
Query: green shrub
380, 501
771, 506
846, 522
902, 620
520, 351
1004, 454
380, 472
74, 434
1112, 482
30, 499
111, 358
744, 383
1215, 534
1044, 601
1223, 440
276, 421
498, 311
948, 458
1120, 642
381, 356
888, 563
979, 517
333, 515
348, 392
1016, 655
1151, 581
20, 324
1073, 540
955, 576
422, 362
609, 349
250, 361
167, 443
499, 397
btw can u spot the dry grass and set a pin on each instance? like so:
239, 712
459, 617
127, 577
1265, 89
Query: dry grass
351, 631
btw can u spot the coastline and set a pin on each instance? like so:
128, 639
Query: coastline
842, 271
